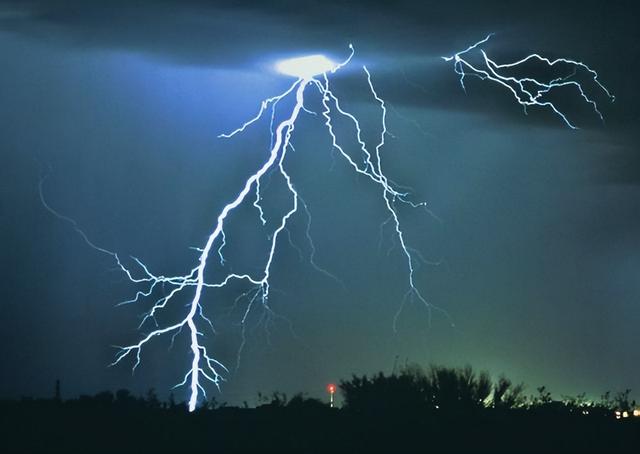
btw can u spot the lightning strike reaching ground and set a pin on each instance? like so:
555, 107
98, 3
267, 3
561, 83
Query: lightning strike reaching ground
529, 91
310, 72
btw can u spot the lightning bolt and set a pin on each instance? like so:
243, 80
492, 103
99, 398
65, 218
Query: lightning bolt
204, 368
529, 91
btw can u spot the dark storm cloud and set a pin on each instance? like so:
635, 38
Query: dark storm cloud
226, 32
189, 30
155, 25
223, 33
403, 39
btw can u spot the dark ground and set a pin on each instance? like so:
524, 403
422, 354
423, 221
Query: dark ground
88, 427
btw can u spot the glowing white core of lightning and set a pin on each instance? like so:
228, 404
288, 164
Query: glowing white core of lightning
305, 67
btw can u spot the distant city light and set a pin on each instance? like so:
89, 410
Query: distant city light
625, 414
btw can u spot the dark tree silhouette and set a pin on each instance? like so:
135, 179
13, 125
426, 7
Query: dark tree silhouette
455, 410
507, 395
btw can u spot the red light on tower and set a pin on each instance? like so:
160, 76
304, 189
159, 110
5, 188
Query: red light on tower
331, 388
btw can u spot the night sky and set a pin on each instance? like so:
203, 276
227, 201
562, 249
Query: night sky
534, 238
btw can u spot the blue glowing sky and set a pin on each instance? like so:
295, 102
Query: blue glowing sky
538, 235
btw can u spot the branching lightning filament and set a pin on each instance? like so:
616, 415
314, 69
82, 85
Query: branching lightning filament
203, 366
529, 91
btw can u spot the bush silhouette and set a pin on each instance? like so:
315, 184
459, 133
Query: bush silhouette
447, 390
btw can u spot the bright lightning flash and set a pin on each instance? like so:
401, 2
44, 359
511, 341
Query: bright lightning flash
311, 71
305, 67
529, 91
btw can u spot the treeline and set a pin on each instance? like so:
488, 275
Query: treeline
413, 388
432, 410
462, 390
